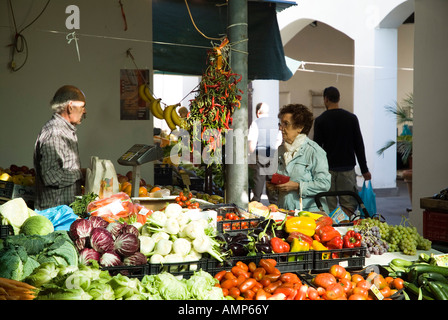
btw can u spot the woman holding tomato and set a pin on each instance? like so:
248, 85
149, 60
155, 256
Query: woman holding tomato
301, 159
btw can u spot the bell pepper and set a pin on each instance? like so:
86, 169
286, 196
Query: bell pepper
335, 243
313, 215
323, 221
298, 245
327, 233
279, 246
352, 239
305, 225
301, 236
319, 247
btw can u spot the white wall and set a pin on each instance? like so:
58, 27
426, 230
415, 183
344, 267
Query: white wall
52, 62
430, 174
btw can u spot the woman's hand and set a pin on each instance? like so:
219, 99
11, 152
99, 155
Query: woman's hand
288, 186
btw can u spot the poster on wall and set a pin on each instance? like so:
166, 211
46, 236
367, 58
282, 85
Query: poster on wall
132, 106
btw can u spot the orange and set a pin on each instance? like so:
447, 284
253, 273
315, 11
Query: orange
127, 189
155, 189
124, 185
142, 192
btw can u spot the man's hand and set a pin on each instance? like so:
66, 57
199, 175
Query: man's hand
367, 176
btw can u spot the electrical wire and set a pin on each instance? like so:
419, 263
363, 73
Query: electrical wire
194, 24
20, 44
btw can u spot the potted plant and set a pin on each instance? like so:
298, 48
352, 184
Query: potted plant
404, 113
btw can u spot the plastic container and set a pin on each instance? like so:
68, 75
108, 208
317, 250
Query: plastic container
435, 225
246, 221
6, 189
184, 269
286, 262
349, 258
130, 271
6, 230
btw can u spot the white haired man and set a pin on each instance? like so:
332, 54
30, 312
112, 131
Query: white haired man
56, 157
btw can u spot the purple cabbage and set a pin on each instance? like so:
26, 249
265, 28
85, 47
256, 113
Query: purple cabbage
129, 228
126, 244
101, 240
115, 228
80, 228
135, 259
80, 243
98, 222
88, 254
110, 259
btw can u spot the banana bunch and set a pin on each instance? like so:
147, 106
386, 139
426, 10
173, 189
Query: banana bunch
169, 113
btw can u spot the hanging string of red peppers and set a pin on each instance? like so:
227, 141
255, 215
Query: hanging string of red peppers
217, 98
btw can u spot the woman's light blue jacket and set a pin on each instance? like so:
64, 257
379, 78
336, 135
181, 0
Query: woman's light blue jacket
308, 167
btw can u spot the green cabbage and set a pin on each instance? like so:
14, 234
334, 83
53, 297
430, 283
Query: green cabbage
39, 225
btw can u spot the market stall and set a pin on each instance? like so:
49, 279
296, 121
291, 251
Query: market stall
208, 252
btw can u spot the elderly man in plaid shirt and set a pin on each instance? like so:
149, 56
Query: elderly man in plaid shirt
56, 157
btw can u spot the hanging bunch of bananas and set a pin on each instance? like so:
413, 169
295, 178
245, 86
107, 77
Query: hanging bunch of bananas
169, 113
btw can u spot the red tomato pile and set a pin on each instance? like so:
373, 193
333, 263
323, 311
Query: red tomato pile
186, 201
262, 282
232, 216
265, 282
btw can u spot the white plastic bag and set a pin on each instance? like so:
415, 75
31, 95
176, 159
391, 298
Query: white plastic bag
101, 178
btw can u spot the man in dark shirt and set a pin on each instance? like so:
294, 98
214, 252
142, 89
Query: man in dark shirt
337, 131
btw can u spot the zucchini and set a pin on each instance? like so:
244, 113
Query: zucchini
410, 287
418, 269
438, 292
401, 262
433, 276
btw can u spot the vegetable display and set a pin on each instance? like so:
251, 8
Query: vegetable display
109, 244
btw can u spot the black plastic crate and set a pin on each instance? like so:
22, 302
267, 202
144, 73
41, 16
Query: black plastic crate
6, 230
6, 189
247, 221
286, 262
163, 175
130, 271
349, 258
184, 269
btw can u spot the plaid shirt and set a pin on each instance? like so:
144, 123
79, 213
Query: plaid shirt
57, 164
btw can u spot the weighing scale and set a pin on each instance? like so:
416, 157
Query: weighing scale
137, 155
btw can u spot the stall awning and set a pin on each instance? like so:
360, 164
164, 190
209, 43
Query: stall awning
179, 48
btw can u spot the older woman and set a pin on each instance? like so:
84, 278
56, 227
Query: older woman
301, 159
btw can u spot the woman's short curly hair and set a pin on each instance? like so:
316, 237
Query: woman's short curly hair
301, 116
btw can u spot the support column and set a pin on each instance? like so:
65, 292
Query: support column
375, 87
236, 172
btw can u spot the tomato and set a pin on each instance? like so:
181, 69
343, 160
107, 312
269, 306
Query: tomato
289, 277
220, 275
229, 283
180, 203
252, 266
357, 277
265, 282
312, 293
356, 297
234, 292
183, 198
398, 283
249, 294
177, 199
247, 284
360, 291
364, 284
324, 280
338, 271
385, 292
268, 265
334, 292
346, 284
259, 273
187, 203
229, 275
190, 195
237, 271
242, 265
181, 194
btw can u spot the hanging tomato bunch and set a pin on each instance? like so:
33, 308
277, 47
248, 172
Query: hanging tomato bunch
217, 99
